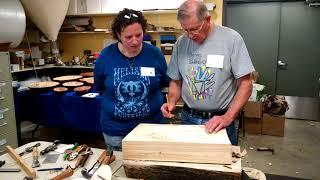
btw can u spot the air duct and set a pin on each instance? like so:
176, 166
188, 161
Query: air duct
13, 22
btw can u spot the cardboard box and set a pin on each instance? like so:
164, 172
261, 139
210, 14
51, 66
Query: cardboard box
253, 109
273, 125
253, 125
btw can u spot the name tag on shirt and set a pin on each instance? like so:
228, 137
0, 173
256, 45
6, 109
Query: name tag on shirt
215, 61
147, 71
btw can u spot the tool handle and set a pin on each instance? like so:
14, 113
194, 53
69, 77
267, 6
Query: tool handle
109, 159
64, 174
85, 158
79, 161
102, 156
35, 152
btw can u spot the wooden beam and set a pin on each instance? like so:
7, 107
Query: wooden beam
30, 171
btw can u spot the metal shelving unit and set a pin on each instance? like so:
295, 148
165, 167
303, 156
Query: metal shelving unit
8, 129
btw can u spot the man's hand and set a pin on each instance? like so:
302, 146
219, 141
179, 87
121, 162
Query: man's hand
167, 110
216, 123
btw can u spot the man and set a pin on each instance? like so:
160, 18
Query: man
210, 69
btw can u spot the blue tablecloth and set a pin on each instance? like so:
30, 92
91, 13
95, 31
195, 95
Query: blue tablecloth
68, 110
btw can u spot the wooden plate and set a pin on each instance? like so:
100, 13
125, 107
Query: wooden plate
89, 80
44, 84
87, 74
67, 78
82, 89
60, 89
72, 84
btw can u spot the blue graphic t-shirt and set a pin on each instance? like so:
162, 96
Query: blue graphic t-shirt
131, 88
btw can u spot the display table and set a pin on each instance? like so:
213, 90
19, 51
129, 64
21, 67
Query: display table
67, 110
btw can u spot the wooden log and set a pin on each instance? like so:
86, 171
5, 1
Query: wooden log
30, 171
175, 170
177, 143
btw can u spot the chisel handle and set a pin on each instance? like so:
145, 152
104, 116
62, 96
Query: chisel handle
64, 174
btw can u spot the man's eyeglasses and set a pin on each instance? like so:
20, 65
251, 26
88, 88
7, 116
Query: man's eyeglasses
194, 30
129, 16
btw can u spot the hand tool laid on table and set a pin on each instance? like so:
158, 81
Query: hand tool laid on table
80, 163
29, 149
69, 151
30, 172
83, 157
35, 156
2, 163
104, 158
76, 152
64, 174
51, 147
10, 170
51, 169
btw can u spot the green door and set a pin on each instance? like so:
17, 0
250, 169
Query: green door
299, 49
285, 33
258, 23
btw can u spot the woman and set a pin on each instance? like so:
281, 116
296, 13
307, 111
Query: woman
130, 73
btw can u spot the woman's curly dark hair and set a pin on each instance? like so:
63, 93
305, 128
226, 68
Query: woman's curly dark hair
125, 18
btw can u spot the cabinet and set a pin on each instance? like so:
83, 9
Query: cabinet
74, 43
84, 7
8, 129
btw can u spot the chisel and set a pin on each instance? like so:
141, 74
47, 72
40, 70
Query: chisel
10, 170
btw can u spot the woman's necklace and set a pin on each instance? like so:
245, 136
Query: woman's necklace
130, 61
130, 58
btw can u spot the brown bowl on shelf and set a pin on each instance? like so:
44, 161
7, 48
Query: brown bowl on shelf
67, 78
82, 90
60, 90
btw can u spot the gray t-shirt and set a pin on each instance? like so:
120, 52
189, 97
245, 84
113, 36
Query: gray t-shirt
209, 70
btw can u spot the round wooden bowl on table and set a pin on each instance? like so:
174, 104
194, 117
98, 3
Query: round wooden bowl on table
87, 74
88, 80
72, 84
82, 90
67, 78
42, 87
60, 90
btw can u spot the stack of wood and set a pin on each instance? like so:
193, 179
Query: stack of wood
171, 151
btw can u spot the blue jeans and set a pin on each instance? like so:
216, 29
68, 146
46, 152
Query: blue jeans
186, 118
113, 142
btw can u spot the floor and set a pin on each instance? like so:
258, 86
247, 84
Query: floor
303, 107
295, 153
